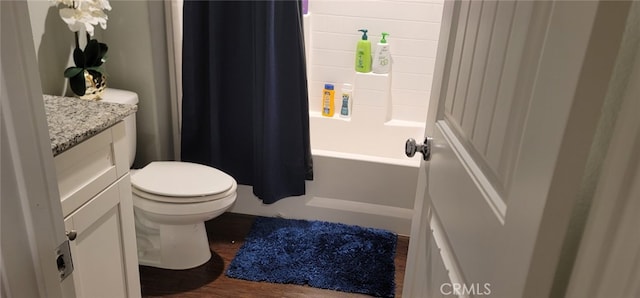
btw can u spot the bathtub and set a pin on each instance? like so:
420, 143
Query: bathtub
361, 177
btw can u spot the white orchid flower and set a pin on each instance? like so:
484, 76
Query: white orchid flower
84, 14
105, 4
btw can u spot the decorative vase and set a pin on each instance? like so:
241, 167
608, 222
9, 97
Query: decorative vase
95, 86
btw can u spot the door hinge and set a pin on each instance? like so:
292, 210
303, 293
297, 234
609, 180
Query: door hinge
63, 260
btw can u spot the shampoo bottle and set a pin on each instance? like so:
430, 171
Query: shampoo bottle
363, 53
328, 104
382, 56
347, 101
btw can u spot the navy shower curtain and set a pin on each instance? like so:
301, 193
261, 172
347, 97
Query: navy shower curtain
245, 108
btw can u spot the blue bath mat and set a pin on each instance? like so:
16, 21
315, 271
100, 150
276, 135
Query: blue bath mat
320, 254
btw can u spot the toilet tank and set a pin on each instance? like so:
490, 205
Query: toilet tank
125, 97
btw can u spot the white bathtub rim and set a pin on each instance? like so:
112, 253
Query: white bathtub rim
415, 162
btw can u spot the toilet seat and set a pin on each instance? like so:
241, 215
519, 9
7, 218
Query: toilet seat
181, 182
183, 200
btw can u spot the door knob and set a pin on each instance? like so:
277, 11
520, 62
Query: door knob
71, 235
411, 147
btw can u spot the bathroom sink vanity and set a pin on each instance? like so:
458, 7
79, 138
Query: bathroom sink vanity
92, 168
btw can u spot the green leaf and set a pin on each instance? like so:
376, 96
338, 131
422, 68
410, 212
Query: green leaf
102, 56
78, 57
72, 72
92, 53
77, 83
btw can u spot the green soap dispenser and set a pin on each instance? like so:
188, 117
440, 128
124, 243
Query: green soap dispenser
363, 53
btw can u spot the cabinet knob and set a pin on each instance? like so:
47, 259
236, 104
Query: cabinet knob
71, 235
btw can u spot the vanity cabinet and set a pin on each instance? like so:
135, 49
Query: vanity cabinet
95, 191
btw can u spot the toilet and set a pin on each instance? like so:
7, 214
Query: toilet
172, 200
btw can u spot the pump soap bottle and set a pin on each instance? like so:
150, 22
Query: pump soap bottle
382, 56
363, 53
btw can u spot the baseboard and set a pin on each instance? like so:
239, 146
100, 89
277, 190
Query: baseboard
309, 207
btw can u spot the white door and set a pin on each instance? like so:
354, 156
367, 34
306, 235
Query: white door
31, 220
515, 102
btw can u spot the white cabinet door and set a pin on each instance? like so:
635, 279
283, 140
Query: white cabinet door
104, 248
517, 96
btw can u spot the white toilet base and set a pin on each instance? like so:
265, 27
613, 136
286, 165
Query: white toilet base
177, 247
173, 236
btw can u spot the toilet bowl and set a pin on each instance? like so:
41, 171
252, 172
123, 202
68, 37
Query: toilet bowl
172, 200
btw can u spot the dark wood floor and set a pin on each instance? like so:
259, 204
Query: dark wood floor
226, 235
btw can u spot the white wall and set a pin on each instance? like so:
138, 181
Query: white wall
413, 26
54, 44
138, 62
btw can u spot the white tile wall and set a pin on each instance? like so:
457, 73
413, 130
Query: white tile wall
413, 25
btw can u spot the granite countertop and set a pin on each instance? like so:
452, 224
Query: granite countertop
73, 120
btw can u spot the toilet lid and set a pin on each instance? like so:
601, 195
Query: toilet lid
181, 179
